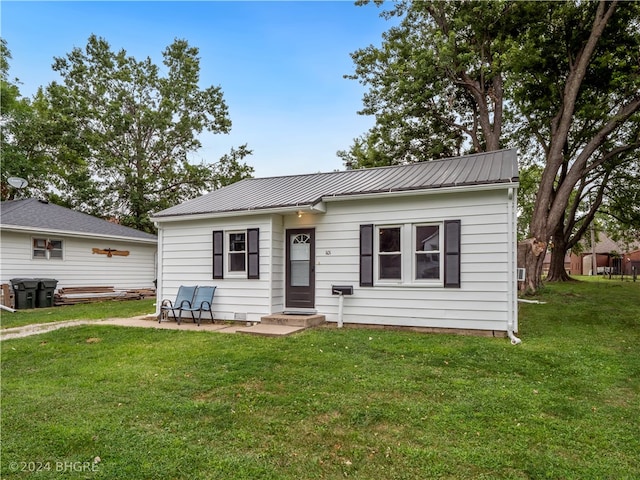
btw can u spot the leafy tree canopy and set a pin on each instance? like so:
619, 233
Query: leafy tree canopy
120, 131
558, 80
436, 85
23, 154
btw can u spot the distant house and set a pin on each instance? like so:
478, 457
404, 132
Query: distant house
44, 240
430, 244
611, 257
632, 263
569, 265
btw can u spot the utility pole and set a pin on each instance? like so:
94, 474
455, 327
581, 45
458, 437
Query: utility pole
594, 262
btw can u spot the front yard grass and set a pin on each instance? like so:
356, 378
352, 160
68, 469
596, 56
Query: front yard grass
87, 311
334, 403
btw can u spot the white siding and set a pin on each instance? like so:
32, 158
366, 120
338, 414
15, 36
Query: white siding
187, 259
276, 260
482, 302
79, 266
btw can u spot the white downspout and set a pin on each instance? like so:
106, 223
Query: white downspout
511, 270
514, 340
340, 307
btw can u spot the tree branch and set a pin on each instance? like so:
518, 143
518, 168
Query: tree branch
578, 168
561, 123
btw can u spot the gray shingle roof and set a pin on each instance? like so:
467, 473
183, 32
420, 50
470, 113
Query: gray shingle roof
604, 244
307, 190
38, 215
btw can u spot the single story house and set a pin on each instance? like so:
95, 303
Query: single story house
44, 240
616, 258
430, 244
612, 257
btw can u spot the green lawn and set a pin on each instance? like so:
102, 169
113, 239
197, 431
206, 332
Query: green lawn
87, 311
334, 403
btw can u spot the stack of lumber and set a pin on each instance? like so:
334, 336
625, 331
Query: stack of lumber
7, 297
144, 292
75, 295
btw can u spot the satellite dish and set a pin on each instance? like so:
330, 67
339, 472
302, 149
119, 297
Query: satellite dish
17, 182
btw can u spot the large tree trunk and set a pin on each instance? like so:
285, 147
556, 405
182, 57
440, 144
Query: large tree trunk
557, 272
530, 257
553, 197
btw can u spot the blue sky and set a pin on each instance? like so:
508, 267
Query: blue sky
279, 64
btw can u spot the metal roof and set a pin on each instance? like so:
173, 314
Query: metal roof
251, 194
34, 214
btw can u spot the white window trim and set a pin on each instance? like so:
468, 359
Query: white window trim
227, 252
438, 282
408, 254
47, 256
376, 252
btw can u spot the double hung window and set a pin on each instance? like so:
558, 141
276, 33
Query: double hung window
427, 252
236, 253
47, 249
389, 253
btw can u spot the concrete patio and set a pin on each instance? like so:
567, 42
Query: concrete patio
278, 328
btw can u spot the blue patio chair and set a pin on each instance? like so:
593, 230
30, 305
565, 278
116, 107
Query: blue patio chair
202, 301
183, 299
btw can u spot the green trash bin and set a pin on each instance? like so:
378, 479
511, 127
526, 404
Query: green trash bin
44, 294
25, 292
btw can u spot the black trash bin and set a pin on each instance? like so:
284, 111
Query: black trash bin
25, 292
44, 295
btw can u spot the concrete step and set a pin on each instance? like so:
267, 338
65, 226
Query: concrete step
269, 330
293, 320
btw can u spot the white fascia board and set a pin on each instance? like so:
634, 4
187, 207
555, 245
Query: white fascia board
425, 191
68, 233
317, 207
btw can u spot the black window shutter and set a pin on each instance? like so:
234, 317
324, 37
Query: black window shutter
218, 254
253, 253
452, 254
366, 255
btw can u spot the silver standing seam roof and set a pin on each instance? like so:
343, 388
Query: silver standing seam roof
34, 214
497, 167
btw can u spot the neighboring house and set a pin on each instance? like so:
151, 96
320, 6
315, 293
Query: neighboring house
632, 263
44, 240
611, 257
429, 244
